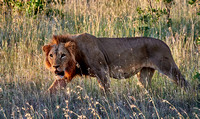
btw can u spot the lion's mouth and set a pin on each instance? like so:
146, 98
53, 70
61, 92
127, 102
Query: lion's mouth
59, 74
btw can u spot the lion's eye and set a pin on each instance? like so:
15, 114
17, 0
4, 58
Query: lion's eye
51, 55
63, 55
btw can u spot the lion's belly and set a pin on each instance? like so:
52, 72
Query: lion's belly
127, 67
120, 72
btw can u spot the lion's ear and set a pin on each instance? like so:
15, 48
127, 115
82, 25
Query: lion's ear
55, 39
46, 48
71, 46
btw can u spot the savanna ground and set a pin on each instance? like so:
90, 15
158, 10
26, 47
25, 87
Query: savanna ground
26, 26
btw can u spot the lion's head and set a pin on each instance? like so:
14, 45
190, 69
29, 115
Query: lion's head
60, 56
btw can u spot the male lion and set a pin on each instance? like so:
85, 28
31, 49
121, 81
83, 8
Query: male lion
84, 54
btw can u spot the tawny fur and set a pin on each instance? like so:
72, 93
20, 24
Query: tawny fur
110, 57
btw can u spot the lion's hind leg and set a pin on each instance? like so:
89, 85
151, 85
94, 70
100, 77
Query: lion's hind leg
175, 74
145, 75
168, 67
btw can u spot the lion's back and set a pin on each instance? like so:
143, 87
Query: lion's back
132, 48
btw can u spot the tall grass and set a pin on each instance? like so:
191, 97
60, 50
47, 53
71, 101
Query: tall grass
24, 79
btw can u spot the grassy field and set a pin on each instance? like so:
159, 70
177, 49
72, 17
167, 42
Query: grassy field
24, 79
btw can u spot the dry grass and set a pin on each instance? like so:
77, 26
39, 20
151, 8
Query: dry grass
24, 79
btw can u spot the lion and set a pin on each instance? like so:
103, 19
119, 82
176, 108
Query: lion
119, 58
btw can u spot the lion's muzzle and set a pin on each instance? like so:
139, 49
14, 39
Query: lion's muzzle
59, 75
62, 73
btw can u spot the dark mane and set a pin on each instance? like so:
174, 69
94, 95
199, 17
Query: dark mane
57, 39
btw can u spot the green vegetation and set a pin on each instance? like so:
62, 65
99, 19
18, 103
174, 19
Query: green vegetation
26, 26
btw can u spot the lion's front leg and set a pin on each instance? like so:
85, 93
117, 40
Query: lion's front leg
104, 84
59, 83
103, 79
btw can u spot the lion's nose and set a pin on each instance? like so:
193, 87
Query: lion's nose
56, 66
